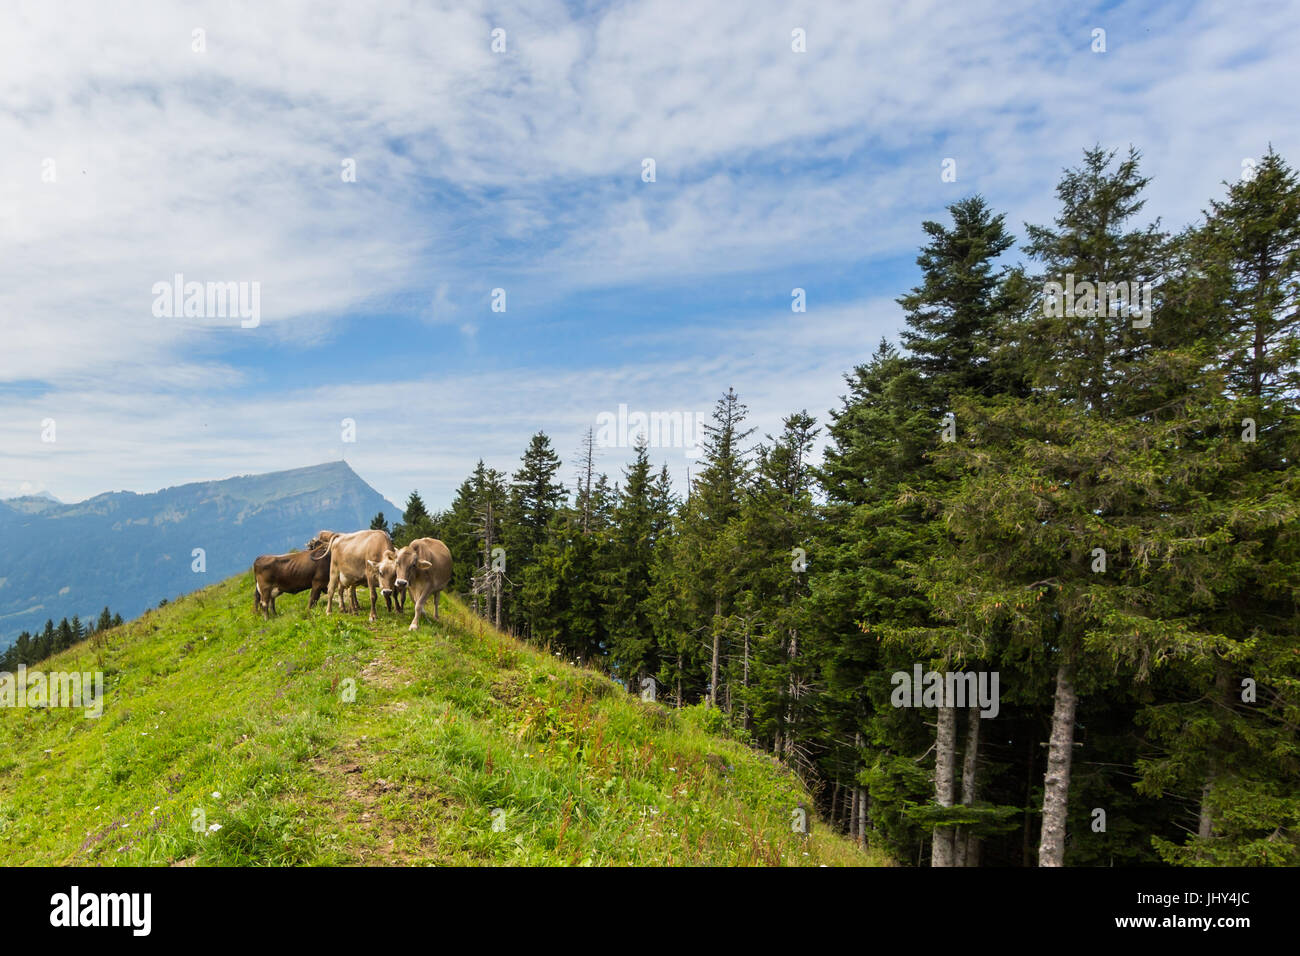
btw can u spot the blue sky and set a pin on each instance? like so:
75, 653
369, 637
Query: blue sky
521, 170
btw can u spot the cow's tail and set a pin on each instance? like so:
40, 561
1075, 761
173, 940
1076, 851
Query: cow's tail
257, 598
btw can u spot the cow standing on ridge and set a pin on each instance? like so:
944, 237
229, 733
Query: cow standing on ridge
423, 566
275, 574
354, 560
319, 547
387, 571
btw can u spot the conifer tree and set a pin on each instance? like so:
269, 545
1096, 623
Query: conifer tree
535, 498
1238, 750
631, 541
695, 586
416, 522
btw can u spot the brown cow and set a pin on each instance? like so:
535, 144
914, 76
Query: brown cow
353, 558
275, 574
424, 566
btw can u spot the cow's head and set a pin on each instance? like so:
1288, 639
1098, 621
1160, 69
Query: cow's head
319, 545
407, 563
386, 569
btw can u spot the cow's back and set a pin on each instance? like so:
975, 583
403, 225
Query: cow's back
437, 554
291, 572
350, 552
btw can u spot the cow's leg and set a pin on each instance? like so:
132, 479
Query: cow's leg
315, 596
374, 595
419, 609
329, 600
436, 596
356, 605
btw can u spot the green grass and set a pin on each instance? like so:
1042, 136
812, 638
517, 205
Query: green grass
212, 716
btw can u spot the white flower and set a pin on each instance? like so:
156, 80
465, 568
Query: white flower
214, 827
216, 794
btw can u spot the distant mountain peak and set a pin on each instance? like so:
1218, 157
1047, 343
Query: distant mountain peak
35, 495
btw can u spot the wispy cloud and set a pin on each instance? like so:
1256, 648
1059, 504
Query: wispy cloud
522, 170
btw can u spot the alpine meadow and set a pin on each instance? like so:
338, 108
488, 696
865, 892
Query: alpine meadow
647, 436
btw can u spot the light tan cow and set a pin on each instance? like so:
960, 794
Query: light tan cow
424, 567
319, 548
394, 596
353, 559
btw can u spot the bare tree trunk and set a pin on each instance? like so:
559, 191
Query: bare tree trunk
792, 691
588, 468
857, 819
717, 641
1205, 821
1060, 753
745, 684
862, 817
679, 679
945, 759
835, 805
1223, 691
966, 840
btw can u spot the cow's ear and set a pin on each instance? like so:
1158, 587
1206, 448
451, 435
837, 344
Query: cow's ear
390, 554
371, 565
425, 565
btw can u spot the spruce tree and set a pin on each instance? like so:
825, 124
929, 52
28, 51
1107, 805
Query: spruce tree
633, 650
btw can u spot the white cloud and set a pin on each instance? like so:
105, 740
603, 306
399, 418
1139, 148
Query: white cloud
474, 167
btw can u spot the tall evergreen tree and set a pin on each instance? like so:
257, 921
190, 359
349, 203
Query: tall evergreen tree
634, 653
416, 522
535, 498
697, 574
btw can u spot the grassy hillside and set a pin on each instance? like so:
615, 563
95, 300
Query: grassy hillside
209, 709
